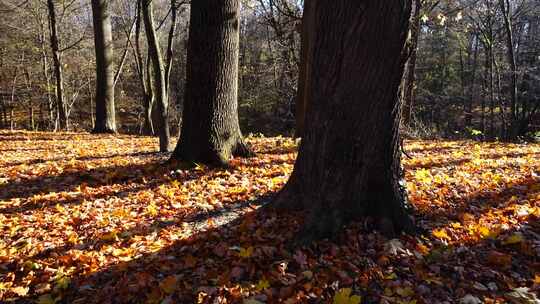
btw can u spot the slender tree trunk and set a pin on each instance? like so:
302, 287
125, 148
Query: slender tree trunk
344, 172
28, 82
61, 108
46, 76
149, 100
13, 93
303, 90
470, 104
3, 118
409, 85
486, 92
91, 97
142, 68
506, 11
491, 95
105, 115
158, 73
170, 45
500, 101
124, 55
210, 129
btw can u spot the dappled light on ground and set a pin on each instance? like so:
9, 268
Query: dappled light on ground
98, 218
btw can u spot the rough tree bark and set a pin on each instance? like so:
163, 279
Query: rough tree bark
409, 80
348, 164
158, 73
303, 90
57, 62
105, 115
210, 131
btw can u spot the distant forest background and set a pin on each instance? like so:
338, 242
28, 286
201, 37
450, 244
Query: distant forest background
475, 72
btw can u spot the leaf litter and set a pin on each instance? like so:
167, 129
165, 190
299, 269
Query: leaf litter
99, 219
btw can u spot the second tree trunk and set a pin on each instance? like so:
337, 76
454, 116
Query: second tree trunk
105, 115
210, 131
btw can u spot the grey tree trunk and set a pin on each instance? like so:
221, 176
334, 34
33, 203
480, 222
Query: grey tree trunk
45, 71
61, 108
210, 131
158, 73
348, 164
147, 127
105, 114
170, 44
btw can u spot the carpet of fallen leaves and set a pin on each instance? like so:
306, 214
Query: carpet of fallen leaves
99, 219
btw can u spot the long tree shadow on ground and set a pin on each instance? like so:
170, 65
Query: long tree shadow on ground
37, 161
229, 255
69, 180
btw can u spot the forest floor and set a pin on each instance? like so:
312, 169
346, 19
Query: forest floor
98, 219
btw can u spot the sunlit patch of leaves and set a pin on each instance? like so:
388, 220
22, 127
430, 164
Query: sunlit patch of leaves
86, 218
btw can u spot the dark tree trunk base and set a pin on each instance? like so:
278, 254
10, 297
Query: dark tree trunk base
243, 150
390, 216
215, 155
103, 131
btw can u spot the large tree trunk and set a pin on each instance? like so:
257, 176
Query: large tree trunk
348, 164
105, 116
210, 130
158, 73
57, 60
303, 90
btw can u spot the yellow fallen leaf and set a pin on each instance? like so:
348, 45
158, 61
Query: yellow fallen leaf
423, 175
440, 234
120, 213
487, 233
120, 252
47, 299
110, 236
73, 238
307, 274
343, 296
515, 238
152, 210
63, 282
246, 253
60, 208
456, 225
263, 284
20, 291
